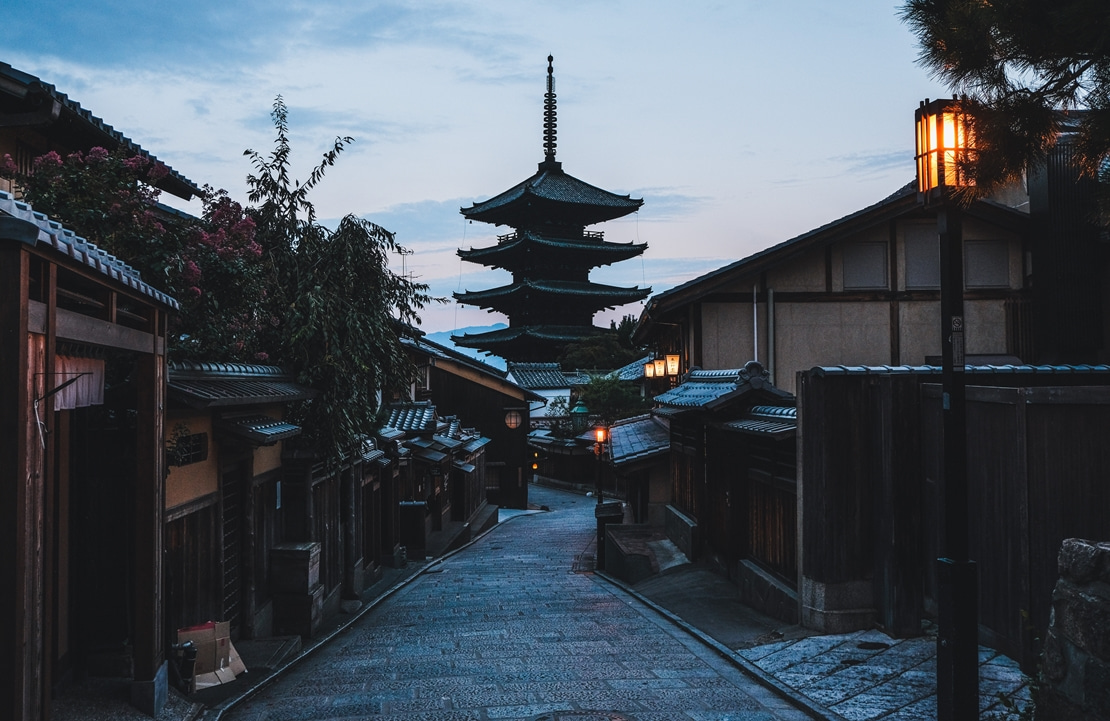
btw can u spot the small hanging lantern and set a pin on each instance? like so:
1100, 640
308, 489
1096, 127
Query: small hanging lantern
672, 364
660, 367
649, 369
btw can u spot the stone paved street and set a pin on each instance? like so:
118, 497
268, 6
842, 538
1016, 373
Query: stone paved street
512, 627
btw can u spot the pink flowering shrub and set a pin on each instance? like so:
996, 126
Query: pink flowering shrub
212, 265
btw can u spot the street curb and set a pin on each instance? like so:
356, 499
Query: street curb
215, 713
765, 679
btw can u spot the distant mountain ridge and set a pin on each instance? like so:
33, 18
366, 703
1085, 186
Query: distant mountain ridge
443, 337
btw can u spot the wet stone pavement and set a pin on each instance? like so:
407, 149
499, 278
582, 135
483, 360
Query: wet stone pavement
512, 628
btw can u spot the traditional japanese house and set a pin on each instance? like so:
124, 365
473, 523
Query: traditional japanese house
546, 380
224, 432
38, 118
862, 290
482, 397
639, 450
446, 472
550, 301
733, 481
82, 391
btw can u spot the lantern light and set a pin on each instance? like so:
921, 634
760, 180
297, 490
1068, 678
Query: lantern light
660, 367
649, 369
600, 431
672, 365
943, 147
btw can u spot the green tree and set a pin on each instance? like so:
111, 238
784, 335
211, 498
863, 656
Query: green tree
342, 311
603, 351
1021, 62
611, 399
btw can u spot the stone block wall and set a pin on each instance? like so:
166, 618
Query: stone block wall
1076, 660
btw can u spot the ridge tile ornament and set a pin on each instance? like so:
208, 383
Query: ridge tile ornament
551, 300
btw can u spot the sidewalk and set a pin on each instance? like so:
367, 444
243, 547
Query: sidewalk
855, 677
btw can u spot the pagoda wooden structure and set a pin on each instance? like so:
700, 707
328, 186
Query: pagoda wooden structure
551, 300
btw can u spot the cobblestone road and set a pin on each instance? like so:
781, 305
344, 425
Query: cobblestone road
511, 628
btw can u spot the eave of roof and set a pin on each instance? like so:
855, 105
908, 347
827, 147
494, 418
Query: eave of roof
593, 294
544, 376
214, 385
637, 439
19, 221
710, 390
900, 203
19, 84
257, 430
531, 245
1080, 369
558, 193
548, 333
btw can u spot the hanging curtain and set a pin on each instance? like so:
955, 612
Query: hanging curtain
89, 388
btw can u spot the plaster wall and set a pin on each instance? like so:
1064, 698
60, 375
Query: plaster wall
805, 274
187, 483
920, 331
813, 334
727, 340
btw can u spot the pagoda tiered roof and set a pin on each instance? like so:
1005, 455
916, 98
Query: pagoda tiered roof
552, 193
532, 342
541, 291
531, 247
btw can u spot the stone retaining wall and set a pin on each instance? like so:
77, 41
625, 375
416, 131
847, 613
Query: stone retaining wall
1076, 659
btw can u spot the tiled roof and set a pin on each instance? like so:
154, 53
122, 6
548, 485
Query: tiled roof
710, 389
526, 245
601, 295
412, 417
556, 194
538, 375
971, 369
555, 333
634, 371
773, 421
19, 221
210, 385
258, 429
638, 438
23, 84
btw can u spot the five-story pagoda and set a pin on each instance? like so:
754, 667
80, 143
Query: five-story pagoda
550, 301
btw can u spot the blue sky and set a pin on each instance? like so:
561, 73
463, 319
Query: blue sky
740, 123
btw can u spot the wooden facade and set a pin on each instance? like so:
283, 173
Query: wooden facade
82, 563
871, 484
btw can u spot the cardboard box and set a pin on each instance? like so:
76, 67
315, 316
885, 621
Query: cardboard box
217, 660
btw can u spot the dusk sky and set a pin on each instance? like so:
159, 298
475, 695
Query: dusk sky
741, 124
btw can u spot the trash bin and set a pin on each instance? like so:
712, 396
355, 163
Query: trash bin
606, 513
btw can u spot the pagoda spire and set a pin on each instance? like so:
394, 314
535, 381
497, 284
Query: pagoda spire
549, 121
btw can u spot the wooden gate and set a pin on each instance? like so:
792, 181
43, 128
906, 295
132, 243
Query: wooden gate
1037, 460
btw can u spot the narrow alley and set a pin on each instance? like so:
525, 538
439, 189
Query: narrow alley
515, 627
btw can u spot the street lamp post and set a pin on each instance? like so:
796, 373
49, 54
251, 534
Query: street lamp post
942, 151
